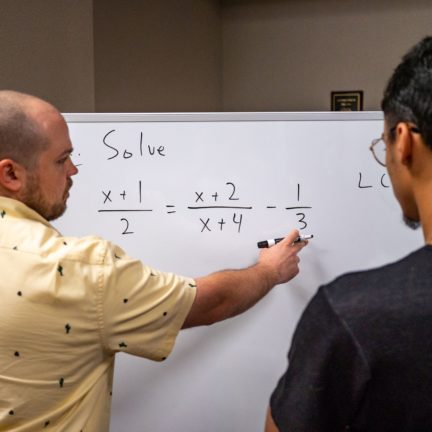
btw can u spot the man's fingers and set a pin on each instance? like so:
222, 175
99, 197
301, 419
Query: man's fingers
300, 245
290, 238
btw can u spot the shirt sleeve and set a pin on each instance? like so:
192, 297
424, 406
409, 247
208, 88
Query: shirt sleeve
326, 375
141, 309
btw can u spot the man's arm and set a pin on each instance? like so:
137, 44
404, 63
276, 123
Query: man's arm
228, 293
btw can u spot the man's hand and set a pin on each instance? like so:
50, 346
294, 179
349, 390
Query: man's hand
282, 259
228, 293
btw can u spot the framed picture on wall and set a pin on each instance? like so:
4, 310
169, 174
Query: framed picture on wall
350, 100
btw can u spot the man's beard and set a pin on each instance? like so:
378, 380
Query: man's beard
34, 198
411, 223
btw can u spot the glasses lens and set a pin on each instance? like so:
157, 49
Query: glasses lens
379, 150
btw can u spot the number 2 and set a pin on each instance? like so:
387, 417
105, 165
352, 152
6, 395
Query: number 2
127, 226
233, 192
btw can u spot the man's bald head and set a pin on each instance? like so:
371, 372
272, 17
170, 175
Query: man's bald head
22, 137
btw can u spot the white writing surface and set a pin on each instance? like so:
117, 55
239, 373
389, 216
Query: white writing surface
193, 194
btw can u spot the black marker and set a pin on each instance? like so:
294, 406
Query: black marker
272, 242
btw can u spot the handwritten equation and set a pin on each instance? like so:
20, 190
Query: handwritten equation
202, 202
217, 210
123, 201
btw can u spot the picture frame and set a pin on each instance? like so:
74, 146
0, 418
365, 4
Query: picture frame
349, 100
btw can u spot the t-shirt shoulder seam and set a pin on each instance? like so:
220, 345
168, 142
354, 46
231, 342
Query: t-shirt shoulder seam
346, 327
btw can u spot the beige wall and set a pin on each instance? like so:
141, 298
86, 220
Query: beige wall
289, 55
204, 55
158, 55
46, 48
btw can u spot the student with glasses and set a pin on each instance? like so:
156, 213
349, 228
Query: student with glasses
361, 356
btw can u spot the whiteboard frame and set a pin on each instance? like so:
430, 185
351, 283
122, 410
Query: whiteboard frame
281, 310
223, 116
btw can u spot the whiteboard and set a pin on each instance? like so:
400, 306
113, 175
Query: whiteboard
194, 193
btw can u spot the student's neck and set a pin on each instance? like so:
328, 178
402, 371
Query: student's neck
425, 211
427, 236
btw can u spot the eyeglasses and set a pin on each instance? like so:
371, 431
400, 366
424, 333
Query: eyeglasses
378, 146
378, 149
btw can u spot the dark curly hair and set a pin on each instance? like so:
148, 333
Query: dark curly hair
408, 95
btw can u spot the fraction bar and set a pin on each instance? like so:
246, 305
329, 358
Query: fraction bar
297, 208
220, 207
124, 210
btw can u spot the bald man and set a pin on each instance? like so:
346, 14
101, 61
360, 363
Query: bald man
70, 304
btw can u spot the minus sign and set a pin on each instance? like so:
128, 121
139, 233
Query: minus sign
270, 207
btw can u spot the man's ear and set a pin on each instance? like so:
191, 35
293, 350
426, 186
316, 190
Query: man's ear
12, 175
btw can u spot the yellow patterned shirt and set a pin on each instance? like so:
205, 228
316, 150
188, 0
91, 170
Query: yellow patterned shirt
67, 306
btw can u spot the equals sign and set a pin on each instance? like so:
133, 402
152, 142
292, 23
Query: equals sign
170, 207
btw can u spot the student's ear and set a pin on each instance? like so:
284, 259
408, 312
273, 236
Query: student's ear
404, 143
12, 175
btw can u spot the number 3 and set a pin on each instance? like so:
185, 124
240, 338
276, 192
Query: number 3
301, 220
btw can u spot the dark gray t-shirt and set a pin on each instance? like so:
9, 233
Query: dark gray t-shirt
361, 356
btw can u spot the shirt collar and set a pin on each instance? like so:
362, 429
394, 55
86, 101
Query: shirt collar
18, 209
